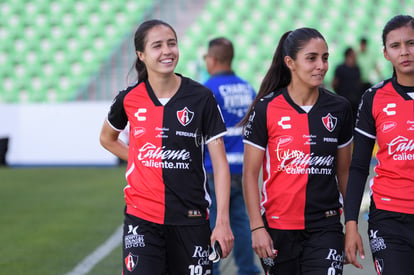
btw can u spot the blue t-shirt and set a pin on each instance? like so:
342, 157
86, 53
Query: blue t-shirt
234, 96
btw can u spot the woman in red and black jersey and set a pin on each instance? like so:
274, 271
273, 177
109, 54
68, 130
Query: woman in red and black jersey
300, 134
171, 119
386, 115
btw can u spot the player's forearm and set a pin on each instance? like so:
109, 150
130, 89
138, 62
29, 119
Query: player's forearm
222, 187
342, 169
252, 199
109, 139
253, 159
118, 148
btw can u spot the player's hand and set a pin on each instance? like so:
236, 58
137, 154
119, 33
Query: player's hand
262, 243
353, 244
223, 234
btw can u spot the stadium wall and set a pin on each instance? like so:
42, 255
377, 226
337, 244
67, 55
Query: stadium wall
55, 134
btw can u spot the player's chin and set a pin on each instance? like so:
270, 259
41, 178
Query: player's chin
315, 83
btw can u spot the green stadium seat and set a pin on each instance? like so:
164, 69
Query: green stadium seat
242, 8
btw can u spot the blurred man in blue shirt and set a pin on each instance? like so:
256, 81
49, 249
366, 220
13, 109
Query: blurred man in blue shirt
234, 96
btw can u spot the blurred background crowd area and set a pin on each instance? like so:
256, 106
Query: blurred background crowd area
74, 50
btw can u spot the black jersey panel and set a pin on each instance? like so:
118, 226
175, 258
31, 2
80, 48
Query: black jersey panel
190, 118
330, 126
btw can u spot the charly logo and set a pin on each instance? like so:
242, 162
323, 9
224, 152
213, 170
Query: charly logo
140, 114
185, 116
131, 262
329, 121
389, 109
282, 122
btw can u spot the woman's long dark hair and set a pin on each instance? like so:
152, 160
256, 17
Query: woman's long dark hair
140, 39
279, 74
394, 23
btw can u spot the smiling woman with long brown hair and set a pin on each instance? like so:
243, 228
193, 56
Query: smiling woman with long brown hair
171, 119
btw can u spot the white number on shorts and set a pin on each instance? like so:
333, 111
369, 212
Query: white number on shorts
196, 269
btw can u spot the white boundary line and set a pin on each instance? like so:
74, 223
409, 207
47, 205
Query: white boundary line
99, 254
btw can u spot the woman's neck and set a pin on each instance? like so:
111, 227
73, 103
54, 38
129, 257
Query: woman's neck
303, 96
405, 80
165, 87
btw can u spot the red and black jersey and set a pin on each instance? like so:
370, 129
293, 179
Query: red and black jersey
387, 114
165, 172
299, 168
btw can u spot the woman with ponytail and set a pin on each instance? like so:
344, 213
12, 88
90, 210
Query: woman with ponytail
300, 134
171, 120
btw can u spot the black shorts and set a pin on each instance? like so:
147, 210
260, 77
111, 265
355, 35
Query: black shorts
311, 252
156, 249
391, 237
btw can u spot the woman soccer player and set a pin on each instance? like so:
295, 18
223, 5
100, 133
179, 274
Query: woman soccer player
386, 115
300, 134
171, 118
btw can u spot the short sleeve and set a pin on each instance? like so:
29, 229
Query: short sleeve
214, 125
365, 122
255, 132
346, 133
117, 117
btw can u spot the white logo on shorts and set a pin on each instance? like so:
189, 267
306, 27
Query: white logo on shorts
134, 239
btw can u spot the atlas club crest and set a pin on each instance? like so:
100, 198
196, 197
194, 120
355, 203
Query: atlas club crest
131, 262
185, 116
329, 121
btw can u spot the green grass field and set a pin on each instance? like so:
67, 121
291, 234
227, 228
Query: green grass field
52, 218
